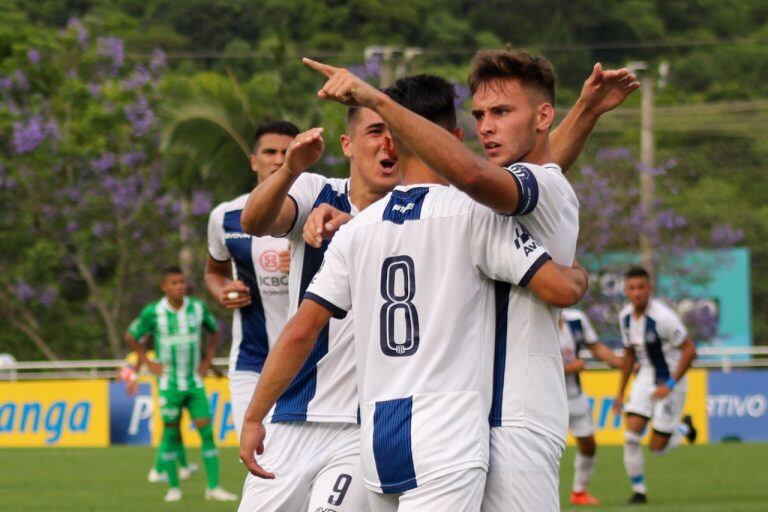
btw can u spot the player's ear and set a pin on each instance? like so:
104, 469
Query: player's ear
545, 116
346, 144
253, 162
459, 133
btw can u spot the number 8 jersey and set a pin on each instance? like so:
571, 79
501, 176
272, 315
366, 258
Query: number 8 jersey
418, 269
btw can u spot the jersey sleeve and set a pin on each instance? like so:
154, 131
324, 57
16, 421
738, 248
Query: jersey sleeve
331, 285
501, 249
209, 321
624, 329
303, 193
590, 336
143, 324
527, 189
673, 329
216, 246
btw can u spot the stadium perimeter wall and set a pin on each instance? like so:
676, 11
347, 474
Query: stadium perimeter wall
724, 405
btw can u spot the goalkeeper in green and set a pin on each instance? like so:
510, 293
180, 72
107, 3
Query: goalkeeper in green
176, 323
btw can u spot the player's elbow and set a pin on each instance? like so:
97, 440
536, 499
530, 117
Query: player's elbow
251, 225
563, 294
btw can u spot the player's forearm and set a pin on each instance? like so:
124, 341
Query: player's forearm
627, 363
216, 279
687, 356
574, 366
265, 204
485, 182
137, 347
568, 139
210, 347
603, 353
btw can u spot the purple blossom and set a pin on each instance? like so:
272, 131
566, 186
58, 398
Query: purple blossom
114, 49
140, 116
77, 25
133, 158
462, 93
613, 154
158, 61
126, 192
201, 203
94, 89
137, 234
723, 235
6, 83
28, 135
104, 162
138, 78
20, 80
34, 56
71, 227
24, 292
101, 228
51, 129
73, 194
331, 160
48, 297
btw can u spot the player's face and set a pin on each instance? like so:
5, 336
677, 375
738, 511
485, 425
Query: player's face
505, 120
174, 286
366, 147
638, 291
269, 154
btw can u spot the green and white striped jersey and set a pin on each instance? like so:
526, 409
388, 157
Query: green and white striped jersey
177, 339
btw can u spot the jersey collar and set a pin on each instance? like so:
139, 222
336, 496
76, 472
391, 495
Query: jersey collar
167, 305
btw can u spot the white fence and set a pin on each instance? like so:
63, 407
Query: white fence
725, 358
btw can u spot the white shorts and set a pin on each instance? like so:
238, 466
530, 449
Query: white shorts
664, 414
241, 387
459, 491
580, 417
524, 472
316, 467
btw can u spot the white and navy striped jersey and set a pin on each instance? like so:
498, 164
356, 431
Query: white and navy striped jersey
656, 337
529, 385
417, 270
256, 262
325, 389
576, 333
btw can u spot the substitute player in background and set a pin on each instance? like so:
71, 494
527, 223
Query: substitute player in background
576, 334
249, 274
414, 362
653, 335
176, 323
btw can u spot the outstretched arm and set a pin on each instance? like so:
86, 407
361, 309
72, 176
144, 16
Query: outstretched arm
603, 91
283, 363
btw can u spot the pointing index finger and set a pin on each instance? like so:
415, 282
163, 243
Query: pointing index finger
325, 69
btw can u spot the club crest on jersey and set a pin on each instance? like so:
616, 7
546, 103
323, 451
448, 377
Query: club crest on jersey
524, 241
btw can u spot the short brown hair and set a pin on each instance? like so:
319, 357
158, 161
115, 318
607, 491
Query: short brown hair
536, 72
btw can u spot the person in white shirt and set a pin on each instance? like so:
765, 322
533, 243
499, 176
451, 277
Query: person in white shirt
249, 274
654, 336
416, 358
576, 335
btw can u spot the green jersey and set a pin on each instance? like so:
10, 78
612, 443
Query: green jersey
177, 339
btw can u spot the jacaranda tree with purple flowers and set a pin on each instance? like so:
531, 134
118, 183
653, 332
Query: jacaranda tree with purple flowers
84, 220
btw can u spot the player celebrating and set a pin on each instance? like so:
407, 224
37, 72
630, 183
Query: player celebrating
176, 323
653, 335
577, 333
248, 274
415, 361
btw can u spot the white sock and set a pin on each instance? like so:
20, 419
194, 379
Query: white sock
633, 461
584, 466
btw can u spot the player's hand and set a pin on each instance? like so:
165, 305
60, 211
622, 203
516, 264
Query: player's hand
132, 387
661, 392
618, 405
605, 90
304, 151
344, 87
156, 368
252, 444
574, 366
285, 260
322, 224
203, 367
229, 300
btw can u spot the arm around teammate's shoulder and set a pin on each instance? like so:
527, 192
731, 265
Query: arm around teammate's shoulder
558, 285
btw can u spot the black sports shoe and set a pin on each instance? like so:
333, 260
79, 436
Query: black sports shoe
637, 498
692, 432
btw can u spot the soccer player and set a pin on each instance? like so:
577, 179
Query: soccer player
513, 97
577, 333
249, 274
417, 269
176, 323
654, 336
314, 437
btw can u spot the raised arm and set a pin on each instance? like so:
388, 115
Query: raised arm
269, 210
603, 90
283, 363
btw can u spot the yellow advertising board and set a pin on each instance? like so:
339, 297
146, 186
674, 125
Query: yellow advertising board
601, 386
54, 413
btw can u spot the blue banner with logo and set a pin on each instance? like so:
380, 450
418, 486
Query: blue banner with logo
737, 405
130, 416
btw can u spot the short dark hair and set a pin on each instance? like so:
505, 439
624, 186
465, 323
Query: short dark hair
429, 96
535, 72
279, 127
637, 272
171, 270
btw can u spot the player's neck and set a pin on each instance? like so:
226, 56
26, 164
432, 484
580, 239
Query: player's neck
639, 311
175, 303
540, 154
362, 197
417, 172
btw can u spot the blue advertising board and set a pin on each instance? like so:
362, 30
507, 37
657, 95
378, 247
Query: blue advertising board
737, 405
130, 415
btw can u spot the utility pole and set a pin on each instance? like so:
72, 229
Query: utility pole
394, 61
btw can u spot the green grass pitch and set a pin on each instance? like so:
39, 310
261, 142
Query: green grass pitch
721, 477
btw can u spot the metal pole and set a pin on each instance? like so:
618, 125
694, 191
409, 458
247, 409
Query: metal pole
647, 185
